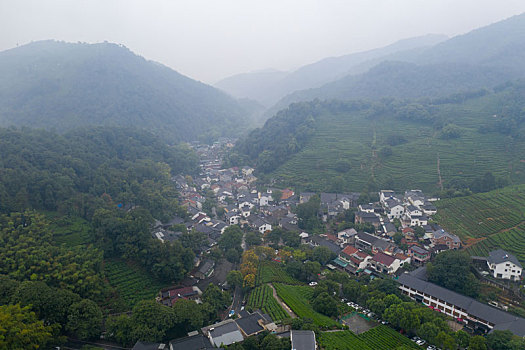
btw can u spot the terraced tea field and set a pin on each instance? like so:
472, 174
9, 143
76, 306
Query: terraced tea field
132, 283
262, 298
298, 299
496, 219
483, 214
358, 139
380, 337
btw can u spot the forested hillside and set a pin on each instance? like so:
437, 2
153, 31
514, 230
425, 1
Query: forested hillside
76, 209
70, 173
60, 85
450, 143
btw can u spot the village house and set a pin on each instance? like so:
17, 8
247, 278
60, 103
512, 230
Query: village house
169, 296
363, 217
353, 260
504, 265
384, 263
419, 255
442, 237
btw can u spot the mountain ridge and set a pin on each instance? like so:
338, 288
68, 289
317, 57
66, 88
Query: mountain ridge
61, 85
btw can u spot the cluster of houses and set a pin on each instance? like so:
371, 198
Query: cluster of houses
232, 331
363, 252
401, 233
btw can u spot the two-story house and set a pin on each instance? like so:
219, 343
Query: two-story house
504, 265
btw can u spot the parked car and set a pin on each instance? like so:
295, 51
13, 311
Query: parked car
420, 342
311, 284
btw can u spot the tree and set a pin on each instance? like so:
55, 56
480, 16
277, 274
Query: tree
276, 196
499, 340
307, 213
419, 231
232, 255
398, 236
249, 280
428, 331
323, 255
20, 329
218, 299
252, 239
311, 269
451, 269
234, 278
477, 342
231, 238
462, 338
325, 304
446, 341
84, 319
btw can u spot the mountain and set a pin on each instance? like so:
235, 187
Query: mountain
431, 144
481, 58
60, 85
268, 87
253, 85
404, 80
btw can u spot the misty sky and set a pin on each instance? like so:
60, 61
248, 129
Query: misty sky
209, 40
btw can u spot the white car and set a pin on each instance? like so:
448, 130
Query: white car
311, 284
420, 342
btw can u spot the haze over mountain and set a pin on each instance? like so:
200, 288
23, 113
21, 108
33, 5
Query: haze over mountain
479, 59
269, 86
60, 85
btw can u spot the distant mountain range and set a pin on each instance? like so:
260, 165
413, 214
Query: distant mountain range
269, 86
428, 66
60, 85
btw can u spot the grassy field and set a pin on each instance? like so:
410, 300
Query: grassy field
495, 219
262, 298
356, 138
271, 271
380, 337
298, 299
132, 282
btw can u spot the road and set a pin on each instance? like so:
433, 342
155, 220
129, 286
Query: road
237, 300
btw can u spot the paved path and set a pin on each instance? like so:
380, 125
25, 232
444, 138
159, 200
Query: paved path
283, 305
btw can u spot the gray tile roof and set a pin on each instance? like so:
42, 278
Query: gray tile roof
196, 342
227, 333
250, 324
471, 306
500, 256
303, 340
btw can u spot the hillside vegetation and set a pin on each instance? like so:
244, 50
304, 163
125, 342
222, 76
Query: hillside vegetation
356, 145
488, 220
62, 86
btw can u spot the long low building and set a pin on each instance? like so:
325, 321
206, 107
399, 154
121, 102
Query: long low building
476, 315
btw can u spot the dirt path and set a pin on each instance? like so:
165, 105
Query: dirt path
283, 305
440, 183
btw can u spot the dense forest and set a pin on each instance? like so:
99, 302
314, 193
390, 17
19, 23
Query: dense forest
118, 181
364, 145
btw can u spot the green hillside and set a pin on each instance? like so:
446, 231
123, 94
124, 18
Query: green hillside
488, 220
61, 85
394, 144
